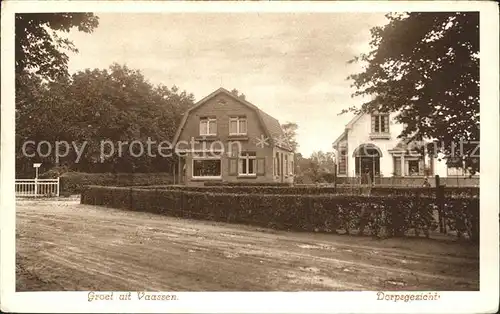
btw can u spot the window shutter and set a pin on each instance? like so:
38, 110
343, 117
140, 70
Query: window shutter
261, 166
373, 123
233, 166
386, 124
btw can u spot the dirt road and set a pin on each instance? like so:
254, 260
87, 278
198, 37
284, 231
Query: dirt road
62, 245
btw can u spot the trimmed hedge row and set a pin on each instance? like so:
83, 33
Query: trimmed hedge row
218, 183
318, 190
74, 182
381, 216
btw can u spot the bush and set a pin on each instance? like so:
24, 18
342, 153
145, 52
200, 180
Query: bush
328, 177
280, 190
316, 190
74, 182
55, 172
216, 183
411, 191
396, 215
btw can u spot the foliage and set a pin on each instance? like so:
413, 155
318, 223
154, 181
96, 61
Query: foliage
384, 216
75, 182
282, 189
215, 183
425, 67
117, 104
40, 46
290, 134
319, 168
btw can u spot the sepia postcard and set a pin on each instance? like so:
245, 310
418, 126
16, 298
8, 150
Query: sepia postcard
249, 157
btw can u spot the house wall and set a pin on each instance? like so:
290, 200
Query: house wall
287, 177
189, 138
261, 153
359, 134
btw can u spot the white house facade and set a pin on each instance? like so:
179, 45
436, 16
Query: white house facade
370, 143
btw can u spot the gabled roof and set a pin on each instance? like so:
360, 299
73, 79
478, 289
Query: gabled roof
347, 127
271, 126
337, 141
354, 120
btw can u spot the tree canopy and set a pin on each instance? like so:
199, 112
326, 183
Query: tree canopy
318, 168
425, 67
115, 104
290, 133
40, 48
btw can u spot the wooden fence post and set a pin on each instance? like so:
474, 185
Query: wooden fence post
440, 203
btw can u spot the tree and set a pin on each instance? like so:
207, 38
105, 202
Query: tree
39, 45
115, 104
325, 161
319, 167
290, 133
425, 67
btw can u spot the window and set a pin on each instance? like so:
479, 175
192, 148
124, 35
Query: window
380, 123
413, 167
237, 126
247, 164
206, 166
343, 161
208, 126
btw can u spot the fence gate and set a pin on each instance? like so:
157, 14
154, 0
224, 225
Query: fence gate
37, 187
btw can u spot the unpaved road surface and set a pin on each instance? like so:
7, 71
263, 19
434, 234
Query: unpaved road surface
63, 245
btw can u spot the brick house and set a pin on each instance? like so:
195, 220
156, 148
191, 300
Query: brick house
226, 138
369, 143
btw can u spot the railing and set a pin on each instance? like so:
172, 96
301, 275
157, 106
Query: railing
37, 187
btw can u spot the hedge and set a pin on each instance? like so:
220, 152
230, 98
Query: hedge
381, 216
317, 190
74, 182
217, 183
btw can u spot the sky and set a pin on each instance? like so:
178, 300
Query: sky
291, 65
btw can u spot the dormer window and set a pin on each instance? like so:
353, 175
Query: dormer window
208, 126
237, 126
380, 123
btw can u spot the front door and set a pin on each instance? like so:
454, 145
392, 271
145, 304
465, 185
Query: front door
367, 165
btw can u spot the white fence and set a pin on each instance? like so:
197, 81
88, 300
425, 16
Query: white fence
37, 187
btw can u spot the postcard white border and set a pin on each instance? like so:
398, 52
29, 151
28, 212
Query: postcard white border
486, 300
